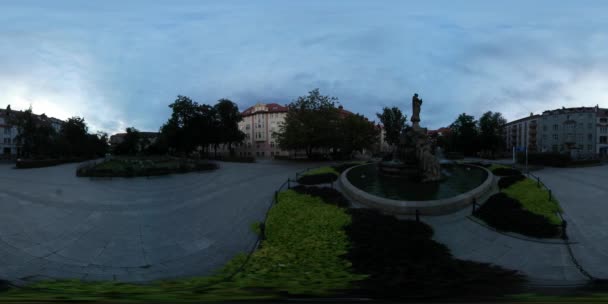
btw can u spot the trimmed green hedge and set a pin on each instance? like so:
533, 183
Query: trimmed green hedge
535, 199
506, 171
326, 174
404, 262
508, 214
144, 167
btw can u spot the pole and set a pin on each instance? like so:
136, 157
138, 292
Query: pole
527, 171
513, 155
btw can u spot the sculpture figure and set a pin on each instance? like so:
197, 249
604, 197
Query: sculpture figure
416, 104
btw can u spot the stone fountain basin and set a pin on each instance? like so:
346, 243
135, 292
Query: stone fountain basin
409, 207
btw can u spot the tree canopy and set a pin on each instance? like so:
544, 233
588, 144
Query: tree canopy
490, 131
193, 125
311, 122
394, 123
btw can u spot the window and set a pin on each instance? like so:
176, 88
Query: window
7, 140
555, 148
7, 130
589, 137
603, 129
272, 144
247, 127
544, 128
603, 120
603, 139
589, 126
262, 153
590, 147
271, 153
555, 127
555, 137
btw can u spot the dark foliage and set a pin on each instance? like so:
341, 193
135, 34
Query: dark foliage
317, 179
507, 214
507, 181
506, 172
131, 171
404, 262
342, 167
329, 195
454, 155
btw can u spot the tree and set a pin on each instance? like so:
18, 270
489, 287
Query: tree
74, 137
357, 133
131, 143
36, 135
311, 122
394, 123
465, 132
490, 131
229, 117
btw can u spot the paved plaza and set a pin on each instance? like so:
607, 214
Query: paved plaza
56, 225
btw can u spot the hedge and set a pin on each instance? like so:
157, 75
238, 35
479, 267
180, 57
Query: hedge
403, 261
506, 172
329, 195
507, 181
135, 168
507, 214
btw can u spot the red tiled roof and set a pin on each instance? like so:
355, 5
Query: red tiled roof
272, 108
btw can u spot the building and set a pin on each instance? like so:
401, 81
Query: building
522, 133
259, 124
9, 147
576, 131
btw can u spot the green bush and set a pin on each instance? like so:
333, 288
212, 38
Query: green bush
328, 195
403, 261
507, 181
506, 172
535, 199
133, 167
508, 214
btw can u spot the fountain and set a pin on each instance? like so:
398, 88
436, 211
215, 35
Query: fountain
413, 181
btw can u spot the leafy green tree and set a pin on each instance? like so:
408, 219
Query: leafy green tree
74, 137
311, 122
490, 131
394, 123
36, 134
357, 134
465, 134
228, 125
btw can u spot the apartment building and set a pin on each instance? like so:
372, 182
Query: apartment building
8, 132
577, 131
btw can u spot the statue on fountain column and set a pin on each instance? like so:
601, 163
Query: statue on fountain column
416, 104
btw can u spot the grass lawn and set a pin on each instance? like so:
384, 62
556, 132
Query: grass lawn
321, 170
535, 199
302, 255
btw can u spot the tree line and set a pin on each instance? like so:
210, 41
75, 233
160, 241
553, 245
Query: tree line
471, 137
39, 139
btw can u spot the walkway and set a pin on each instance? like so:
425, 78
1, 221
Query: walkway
56, 225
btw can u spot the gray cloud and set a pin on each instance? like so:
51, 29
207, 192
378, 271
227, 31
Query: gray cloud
121, 63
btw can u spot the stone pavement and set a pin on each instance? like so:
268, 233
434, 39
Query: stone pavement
583, 195
56, 225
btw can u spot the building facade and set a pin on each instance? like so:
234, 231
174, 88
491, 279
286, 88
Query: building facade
9, 146
259, 124
575, 131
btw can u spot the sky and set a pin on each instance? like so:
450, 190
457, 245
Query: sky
121, 63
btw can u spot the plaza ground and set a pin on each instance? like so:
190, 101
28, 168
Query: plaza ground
55, 225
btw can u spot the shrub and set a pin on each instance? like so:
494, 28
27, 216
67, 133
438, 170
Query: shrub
545, 158
328, 195
316, 179
402, 260
454, 155
507, 214
343, 167
507, 181
535, 199
506, 172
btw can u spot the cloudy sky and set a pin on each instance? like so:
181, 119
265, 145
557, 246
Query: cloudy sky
120, 63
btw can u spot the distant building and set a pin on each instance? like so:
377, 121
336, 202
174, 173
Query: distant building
9, 147
580, 132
